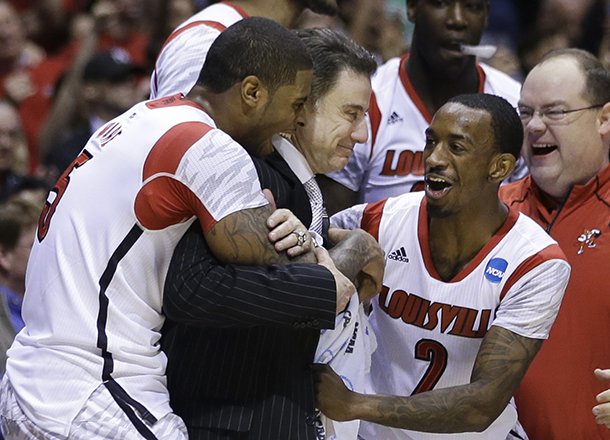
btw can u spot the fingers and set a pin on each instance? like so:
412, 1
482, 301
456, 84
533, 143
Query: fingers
602, 411
269, 196
602, 374
288, 233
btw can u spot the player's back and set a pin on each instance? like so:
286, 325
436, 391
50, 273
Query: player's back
93, 285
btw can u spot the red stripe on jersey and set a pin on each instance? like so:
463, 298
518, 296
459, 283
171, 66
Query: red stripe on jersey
371, 218
406, 83
239, 9
482, 76
375, 118
169, 150
164, 202
551, 252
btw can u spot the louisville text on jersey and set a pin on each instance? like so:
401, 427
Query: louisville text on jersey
420, 312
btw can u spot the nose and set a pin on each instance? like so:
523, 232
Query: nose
535, 124
360, 133
455, 15
435, 157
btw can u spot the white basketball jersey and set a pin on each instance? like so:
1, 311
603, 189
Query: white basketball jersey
390, 163
183, 53
429, 331
95, 276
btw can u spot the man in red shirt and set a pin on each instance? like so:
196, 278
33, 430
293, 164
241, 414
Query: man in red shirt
565, 110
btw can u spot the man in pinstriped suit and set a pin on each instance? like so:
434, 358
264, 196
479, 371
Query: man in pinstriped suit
240, 370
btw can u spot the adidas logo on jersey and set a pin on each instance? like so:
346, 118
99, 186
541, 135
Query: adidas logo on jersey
394, 118
399, 255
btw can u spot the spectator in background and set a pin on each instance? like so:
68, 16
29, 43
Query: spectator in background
18, 221
565, 111
406, 93
13, 153
109, 87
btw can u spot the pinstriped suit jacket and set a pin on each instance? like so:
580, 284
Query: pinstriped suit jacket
240, 340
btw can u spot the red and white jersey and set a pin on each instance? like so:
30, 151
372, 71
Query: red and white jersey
183, 53
93, 303
391, 162
429, 331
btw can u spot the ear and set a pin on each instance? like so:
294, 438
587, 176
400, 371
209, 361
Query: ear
501, 166
604, 120
411, 7
253, 92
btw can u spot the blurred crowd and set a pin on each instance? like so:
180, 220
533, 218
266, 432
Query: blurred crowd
68, 66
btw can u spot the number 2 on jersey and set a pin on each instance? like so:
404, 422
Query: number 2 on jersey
435, 353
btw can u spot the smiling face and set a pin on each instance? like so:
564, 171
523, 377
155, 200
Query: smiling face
329, 128
561, 153
441, 26
458, 157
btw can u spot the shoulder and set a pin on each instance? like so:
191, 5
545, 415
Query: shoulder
499, 83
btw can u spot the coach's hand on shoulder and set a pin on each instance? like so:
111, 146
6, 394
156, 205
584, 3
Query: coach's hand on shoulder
602, 411
345, 288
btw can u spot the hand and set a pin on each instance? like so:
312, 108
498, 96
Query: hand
345, 288
370, 279
288, 233
602, 411
332, 396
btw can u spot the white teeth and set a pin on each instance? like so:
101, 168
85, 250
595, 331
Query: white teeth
436, 179
542, 145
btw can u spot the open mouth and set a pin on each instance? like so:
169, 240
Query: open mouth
543, 149
437, 187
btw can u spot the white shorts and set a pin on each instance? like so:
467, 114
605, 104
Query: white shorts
100, 418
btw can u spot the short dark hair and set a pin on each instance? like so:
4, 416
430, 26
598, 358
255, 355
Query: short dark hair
505, 122
254, 46
597, 77
331, 53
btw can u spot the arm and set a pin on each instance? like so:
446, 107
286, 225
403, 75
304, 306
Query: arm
501, 363
201, 291
602, 411
358, 256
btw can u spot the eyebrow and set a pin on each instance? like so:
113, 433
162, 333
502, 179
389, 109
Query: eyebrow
350, 106
550, 104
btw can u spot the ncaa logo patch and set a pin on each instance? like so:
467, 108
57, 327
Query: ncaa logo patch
495, 269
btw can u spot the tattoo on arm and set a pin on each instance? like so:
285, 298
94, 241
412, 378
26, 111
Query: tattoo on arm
352, 253
242, 238
501, 363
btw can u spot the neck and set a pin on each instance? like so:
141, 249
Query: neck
436, 86
455, 240
284, 12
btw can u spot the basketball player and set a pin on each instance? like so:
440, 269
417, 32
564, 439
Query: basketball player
183, 53
470, 291
87, 364
407, 91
